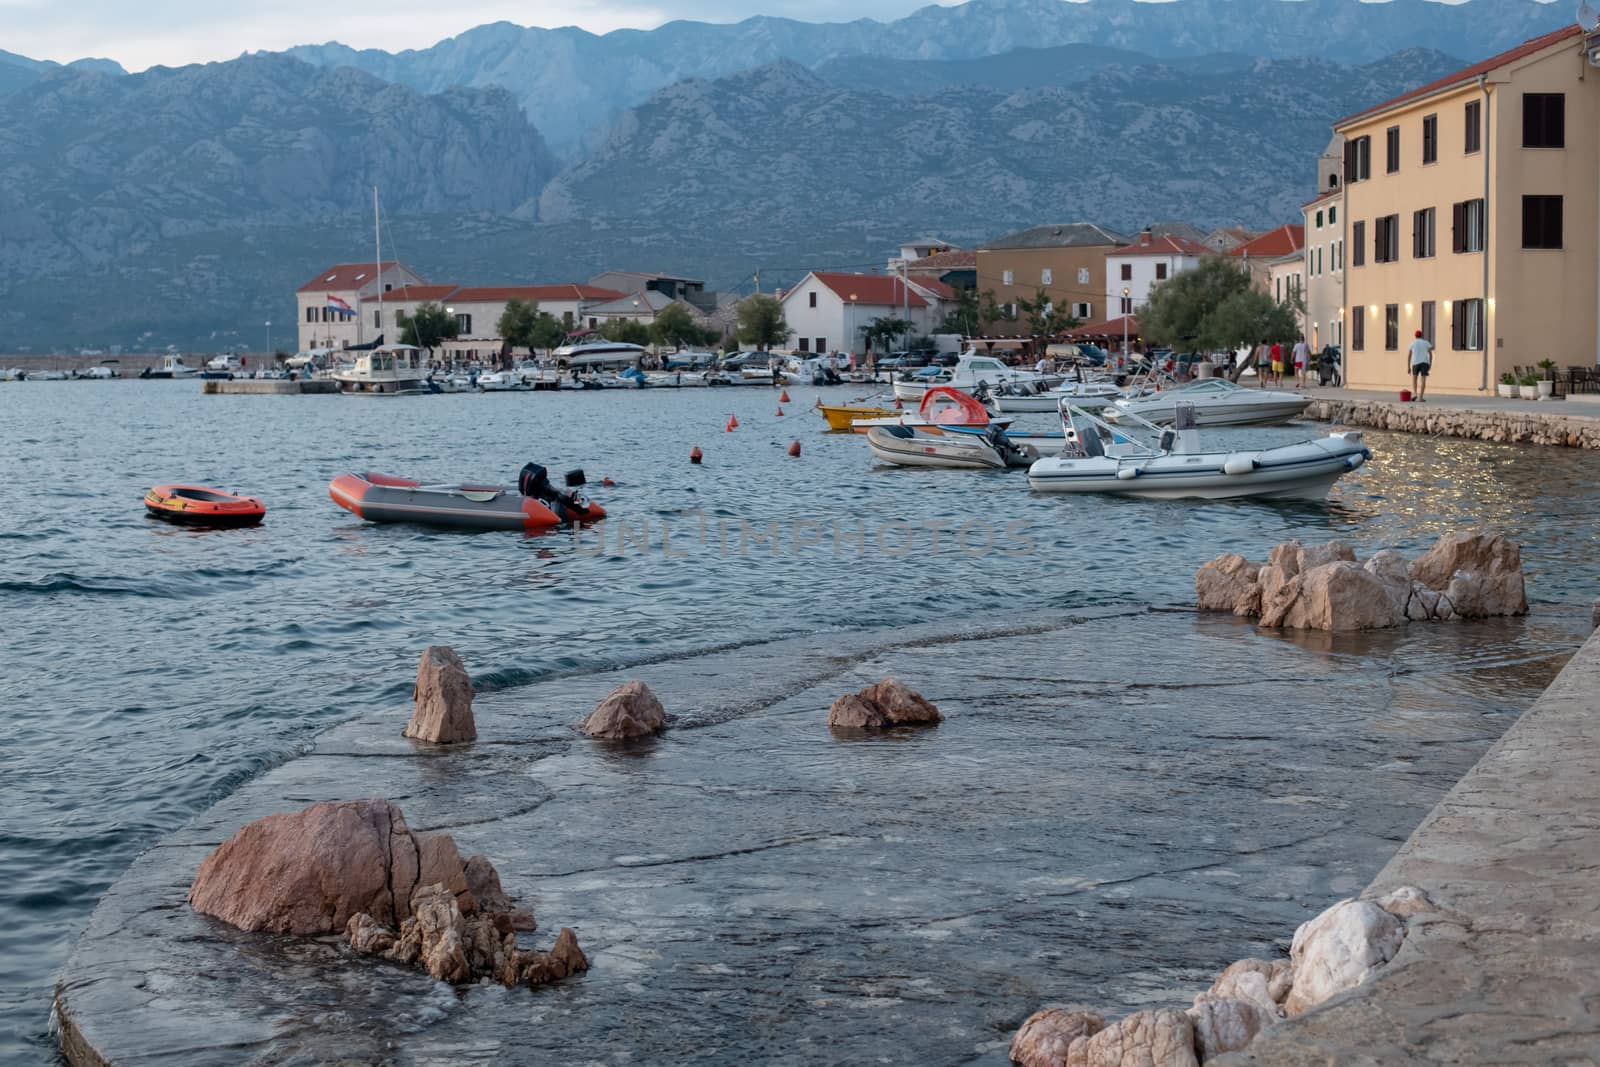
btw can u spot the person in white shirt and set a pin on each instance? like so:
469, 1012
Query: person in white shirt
1302, 362
1421, 364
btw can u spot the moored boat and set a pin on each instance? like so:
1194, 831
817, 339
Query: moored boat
195, 505
1166, 464
1216, 402
533, 504
907, 446
970, 371
842, 417
394, 370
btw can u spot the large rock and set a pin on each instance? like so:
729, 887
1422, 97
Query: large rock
1228, 583
1340, 949
1160, 1038
308, 872
1310, 558
1226, 1024
1480, 572
436, 935
1263, 983
1337, 596
443, 694
877, 707
628, 711
439, 863
1045, 1037
484, 883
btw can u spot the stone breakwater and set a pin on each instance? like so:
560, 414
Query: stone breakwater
1479, 424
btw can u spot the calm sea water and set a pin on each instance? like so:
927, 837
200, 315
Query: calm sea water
149, 670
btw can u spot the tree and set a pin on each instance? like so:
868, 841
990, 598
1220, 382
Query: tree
427, 326
989, 311
1045, 321
1180, 309
1246, 318
884, 330
963, 318
626, 331
517, 323
674, 326
761, 322
548, 331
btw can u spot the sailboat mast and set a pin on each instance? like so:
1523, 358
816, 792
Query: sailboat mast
377, 245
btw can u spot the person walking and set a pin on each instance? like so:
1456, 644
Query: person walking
1277, 365
1263, 363
1421, 364
1302, 362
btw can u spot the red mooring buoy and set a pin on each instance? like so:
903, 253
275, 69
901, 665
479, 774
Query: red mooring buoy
695, 455
794, 450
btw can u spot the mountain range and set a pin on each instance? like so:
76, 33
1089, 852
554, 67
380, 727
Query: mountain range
573, 84
190, 202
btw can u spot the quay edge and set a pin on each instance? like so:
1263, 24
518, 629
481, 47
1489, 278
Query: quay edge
1509, 972
1442, 419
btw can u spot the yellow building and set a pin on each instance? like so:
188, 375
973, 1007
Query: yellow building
1471, 211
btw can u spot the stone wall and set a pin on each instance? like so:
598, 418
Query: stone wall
1571, 431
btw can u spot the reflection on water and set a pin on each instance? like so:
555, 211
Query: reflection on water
150, 670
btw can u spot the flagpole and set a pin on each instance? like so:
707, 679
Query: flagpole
377, 243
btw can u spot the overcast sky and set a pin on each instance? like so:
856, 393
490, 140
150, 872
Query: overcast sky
143, 33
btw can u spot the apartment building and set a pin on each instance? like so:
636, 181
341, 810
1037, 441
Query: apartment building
1132, 270
328, 307
1324, 270
1067, 261
1471, 211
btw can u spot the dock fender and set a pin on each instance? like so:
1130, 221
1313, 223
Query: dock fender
1357, 461
1241, 463
1128, 474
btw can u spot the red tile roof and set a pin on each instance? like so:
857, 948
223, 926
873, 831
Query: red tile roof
1166, 245
1467, 74
934, 286
946, 260
872, 289
342, 276
414, 294
499, 294
1288, 238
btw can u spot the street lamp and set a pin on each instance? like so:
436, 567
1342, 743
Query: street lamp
852, 331
1126, 307
269, 340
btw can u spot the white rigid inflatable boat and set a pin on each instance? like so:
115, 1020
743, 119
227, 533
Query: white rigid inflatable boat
1167, 465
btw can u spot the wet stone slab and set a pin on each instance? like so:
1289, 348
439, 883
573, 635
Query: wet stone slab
1115, 807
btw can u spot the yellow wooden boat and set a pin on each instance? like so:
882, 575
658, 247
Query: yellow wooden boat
842, 417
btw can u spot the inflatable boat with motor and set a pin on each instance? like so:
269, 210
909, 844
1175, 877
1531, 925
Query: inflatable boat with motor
534, 504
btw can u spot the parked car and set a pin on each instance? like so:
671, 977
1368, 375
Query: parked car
1330, 365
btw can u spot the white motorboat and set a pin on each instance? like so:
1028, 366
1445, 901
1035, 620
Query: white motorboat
677, 379
538, 375
1090, 396
907, 446
500, 381
970, 372
171, 367
599, 355
395, 370
1140, 459
15, 374
1216, 402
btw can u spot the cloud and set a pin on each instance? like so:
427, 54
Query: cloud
177, 32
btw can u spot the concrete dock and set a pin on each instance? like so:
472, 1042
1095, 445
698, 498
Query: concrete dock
267, 386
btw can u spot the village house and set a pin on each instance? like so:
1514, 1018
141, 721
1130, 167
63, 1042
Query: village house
956, 268
1286, 282
1471, 214
691, 291
1258, 254
1066, 261
830, 311
477, 311
1323, 320
1225, 239
1134, 268
328, 307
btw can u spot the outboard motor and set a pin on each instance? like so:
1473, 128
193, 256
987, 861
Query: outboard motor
567, 504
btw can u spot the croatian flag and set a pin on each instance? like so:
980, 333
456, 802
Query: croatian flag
340, 307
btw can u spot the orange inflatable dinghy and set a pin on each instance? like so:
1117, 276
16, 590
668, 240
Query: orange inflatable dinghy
196, 505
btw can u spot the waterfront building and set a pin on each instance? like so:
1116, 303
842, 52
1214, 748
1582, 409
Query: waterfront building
956, 268
1134, 268
1324, 269
1067, 261
1471, 213
1225, 239
641, 306
829, 311
1286, 282
328, 307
